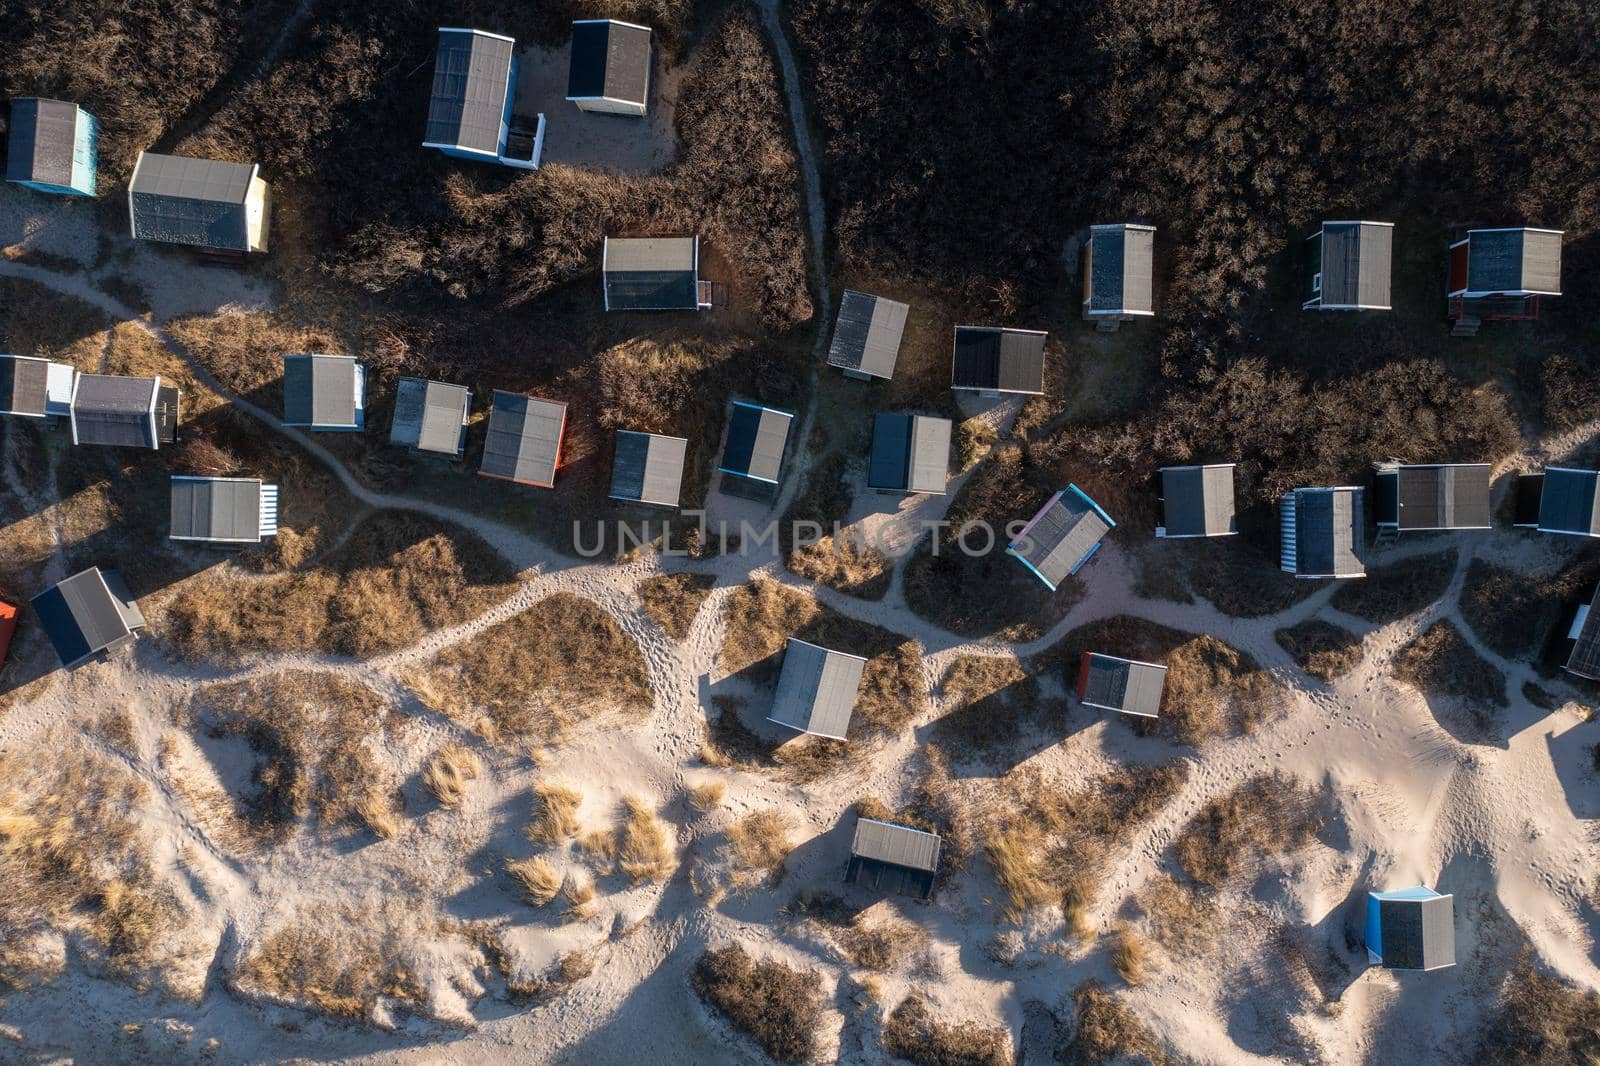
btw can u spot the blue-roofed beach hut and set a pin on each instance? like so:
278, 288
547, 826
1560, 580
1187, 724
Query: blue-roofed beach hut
1058, 540
757, 437
53, 146
1411, 929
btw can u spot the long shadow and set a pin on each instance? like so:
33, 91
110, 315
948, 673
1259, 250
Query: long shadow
1575, 763
1000, 730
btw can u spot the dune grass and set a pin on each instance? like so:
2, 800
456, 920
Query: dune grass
1440, 662
777, 1006
1269, 815
646, 852
912, 1033
449, 771
673, 600
1320, 648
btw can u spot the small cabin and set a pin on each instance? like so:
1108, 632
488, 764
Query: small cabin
223, 510
1559, 500
757, 438
325, 393
1498, 274
523, 443
1411, 929
910, 454
1119, 265
816, 689
991, 360
1058, 540
866, 335
471, 110
1431, 496
53, 146
648, 468
90, 615
1348, 266
123, 412
610, 67
430, 416
1198, 501
1583, 657
653, 274
199, 202
893, 858
1127, 686
1323, 532
35, 388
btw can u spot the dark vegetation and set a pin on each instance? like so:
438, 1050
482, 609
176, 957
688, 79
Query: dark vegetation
1320, 648
673, 600
1440, 662
912, 1033
992, 700
1105, 1030
1389, 593
1542, 1021
780, 1008
1518, 614
1266, 816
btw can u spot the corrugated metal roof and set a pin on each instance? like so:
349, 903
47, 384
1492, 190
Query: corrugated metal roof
471, 81
817, 689
1330, 532
319, 390
221, 509
1065, 532
652, 273
610, 59
1443, 496
1416, 934
897, 844
42, 140
998, 360
867, 334
524, 438
648, 468
1356, 259
1567, 502
191, 201
1198, 501
756, 440
430, 416
1122, 268
1514, 260
1584, 659
910, 453
1124, 685
115, 410
24, 384
87, 613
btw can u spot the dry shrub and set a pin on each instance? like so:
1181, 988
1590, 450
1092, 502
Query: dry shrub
556, 817
975, 437
449, 771
600, 849
244, 350
339, 964
1515, 613
48, 325
707, 795
537, 878
1128, 957
1542, 1020
1105, 1031
556, 664
1320, 648
1268, 815
779, 1007
912, 1033
1182, 921
646, 853
879, 945
849, 565
673, 600
1389, 593
991, 699
1441, 662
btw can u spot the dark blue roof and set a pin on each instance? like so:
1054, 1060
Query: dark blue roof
60, 625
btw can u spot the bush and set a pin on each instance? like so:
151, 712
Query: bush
1321, 649
779, 1007
1268, 815
673, 600
1515, 613
1105, 1031
1542, 1021
1389, 593
1441, 662
912, 1033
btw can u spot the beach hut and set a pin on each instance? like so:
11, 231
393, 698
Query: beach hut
523, 443
1583, 656
1062, 536
125, 412
893, 858
324, 393
1348, 267
1198, 501
471, 110
991, 360
1411, 929
201, 202
910, 454
1559, 500
223, 510
1125, 685
53, 146
816, 689
430, 416
866, 335
8, 628
1498, 274
653, 274
1431, 496
1119, 274
90, 614
648, 468
1323, 532
757, 437
610, 66
35, 388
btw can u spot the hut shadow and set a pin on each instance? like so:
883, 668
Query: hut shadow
1575, 764
998, 731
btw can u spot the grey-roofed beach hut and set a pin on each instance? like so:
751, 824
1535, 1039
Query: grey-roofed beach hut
992, 360
35, 388
867, 334
223, 510
1584, 657
89, 614
126, 412
910, 453
430, 416
53, 146
648, 468
1062, 536
1125, 685
893, 858
1567, 501
816, 689
324, 392
1512, 261
523, 443
1431, 496
651, 274
1198, 501
1349, 265
473, 97
1411, 929
757, 437
1323, 532
1119, 274
609, 66
200, 202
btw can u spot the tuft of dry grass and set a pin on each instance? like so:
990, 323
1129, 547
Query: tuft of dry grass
1321, 649
448, 773
673, 600
707, 795
881, 945
339, 964
779, 1007
1517, 614
646, 853
1182, 921
48, 325
580, 895
244, 350
911, 1032
758, 845
378, 813
600, 849
1268, 815
1542, 1020
992, 699
556, 817
1128, 957
1105, 1030
538, 880
975, 438
1440, 662
1389, 593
